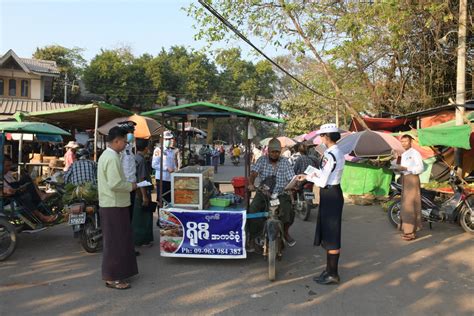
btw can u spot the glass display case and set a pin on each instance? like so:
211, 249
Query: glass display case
192, 187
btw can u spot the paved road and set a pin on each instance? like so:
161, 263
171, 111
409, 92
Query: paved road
49, 274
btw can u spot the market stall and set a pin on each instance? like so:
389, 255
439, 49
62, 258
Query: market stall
199, 223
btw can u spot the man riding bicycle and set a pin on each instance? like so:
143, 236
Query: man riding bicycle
266, 167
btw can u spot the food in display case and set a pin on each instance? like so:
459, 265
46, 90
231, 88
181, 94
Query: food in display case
192, 187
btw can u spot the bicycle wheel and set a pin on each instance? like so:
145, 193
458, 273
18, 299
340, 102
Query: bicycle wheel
7, 239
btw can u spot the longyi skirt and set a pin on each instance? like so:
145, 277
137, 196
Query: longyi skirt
118, 258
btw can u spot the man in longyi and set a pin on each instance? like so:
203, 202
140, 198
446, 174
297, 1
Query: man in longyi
118, 259
411, 166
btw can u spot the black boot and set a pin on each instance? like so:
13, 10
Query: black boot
332, 276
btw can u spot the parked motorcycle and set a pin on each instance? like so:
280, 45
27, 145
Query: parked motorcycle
303, 200
85, 221
460, 207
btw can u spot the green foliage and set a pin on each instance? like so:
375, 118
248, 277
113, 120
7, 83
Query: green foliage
381, 56
70, 62
86, 192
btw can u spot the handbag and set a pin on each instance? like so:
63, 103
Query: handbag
151, 207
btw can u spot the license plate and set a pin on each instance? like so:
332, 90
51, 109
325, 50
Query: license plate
308, 196
275, 202
77, 219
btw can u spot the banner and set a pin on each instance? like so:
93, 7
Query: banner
202, 234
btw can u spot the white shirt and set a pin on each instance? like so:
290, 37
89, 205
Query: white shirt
412, 160
169, 161
129, 165
326, 175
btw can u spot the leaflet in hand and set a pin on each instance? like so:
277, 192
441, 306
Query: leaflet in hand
312, 170
144, 184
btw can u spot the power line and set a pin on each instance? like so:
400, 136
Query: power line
209, 8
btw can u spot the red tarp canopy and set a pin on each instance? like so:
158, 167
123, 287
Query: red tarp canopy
381, 124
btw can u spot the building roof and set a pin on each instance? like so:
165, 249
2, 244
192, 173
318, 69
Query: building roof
10, 106
469, 106
42, 66
30, 65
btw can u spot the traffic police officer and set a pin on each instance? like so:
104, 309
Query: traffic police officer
127, 158
328, 178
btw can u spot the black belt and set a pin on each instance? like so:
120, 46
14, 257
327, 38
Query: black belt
330, 186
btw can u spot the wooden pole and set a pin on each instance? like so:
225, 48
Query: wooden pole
96, 126
161, 159
461, 76
247, 161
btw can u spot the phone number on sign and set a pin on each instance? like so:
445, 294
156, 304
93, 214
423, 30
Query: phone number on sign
213, 251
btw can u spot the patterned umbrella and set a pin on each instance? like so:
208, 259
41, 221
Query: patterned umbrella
370, 144
146, 127
285, 141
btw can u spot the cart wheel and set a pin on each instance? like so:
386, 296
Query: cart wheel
7, 239
272, 253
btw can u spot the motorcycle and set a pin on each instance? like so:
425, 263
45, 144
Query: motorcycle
271, 241
460, 207
14, 218
235, 160
303, 201
85, 221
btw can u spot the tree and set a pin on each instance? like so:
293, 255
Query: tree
70, 62
121, 78
391, 49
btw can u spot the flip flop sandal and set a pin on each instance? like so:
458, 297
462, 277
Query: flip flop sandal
408, 237
118, 285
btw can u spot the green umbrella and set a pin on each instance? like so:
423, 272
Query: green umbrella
32, 128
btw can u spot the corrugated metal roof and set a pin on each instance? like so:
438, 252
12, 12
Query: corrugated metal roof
43, 66
30, 64
11, 106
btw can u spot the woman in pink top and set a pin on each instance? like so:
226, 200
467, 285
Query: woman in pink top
70, 155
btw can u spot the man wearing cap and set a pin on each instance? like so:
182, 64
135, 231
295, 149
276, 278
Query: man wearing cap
328, 224
169, 166
265, 168
70, 155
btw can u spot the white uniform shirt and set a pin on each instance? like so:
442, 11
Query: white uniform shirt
326, 175
169, 161
129, 165
412, 160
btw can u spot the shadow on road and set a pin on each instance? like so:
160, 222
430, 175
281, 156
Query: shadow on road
381, 274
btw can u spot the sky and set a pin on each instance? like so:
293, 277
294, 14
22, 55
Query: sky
145, 25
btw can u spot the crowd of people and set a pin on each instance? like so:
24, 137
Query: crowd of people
126, 209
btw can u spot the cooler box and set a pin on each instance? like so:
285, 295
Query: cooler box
239, 184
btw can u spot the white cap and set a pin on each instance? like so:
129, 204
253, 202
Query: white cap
328, 128
167, 135
72, 144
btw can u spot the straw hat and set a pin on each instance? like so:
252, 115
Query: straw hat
72, 144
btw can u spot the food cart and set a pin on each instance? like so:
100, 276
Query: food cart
190, 226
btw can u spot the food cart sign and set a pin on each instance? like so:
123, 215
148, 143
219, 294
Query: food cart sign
202, 234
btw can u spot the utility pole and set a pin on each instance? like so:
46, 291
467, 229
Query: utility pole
65, 88
461, 76
337, 114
